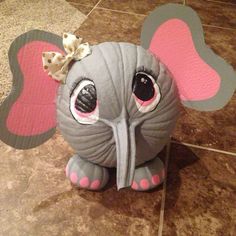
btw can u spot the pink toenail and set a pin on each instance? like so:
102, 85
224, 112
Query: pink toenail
84, 182
73, 177
95, 184
134, 185
144, 184
155, 179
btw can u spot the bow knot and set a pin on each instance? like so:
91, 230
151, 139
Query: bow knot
56, 64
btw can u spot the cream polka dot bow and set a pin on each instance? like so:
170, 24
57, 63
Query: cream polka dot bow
56, 64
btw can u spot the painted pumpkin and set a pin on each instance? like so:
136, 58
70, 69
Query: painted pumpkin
120, 104
115, 72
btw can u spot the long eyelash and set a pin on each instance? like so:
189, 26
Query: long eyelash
148, 71
75, 84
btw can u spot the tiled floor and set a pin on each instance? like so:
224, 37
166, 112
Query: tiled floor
200, 194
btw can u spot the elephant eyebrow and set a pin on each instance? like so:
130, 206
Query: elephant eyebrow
148, 71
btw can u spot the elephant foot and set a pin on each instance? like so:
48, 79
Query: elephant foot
148, 175
85, 174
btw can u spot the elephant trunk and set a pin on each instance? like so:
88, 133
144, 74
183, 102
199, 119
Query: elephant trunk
125, 152
124, 134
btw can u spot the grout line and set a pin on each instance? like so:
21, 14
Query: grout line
204, 148
218, 27
79, 4
163, 197
226, 3
124, 12
94, 7
215, 1
213, 26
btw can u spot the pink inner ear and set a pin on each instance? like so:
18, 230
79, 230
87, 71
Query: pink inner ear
34, 112
173, 45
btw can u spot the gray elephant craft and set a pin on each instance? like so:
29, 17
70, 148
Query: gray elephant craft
115, 103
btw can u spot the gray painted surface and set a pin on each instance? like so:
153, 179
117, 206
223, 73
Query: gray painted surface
112, 66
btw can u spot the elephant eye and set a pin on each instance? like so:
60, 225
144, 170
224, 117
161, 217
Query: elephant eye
83, 102
145, 90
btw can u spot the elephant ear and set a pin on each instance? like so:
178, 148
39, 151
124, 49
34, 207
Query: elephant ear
28, 115
174, 34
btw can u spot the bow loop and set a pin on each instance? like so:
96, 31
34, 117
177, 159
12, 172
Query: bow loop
82, 51
56, 64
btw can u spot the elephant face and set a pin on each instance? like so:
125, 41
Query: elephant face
119, 103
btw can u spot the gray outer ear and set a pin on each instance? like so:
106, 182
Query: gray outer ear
190, 17
17, 141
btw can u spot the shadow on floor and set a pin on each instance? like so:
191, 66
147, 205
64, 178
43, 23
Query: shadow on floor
125, 200
128, 202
